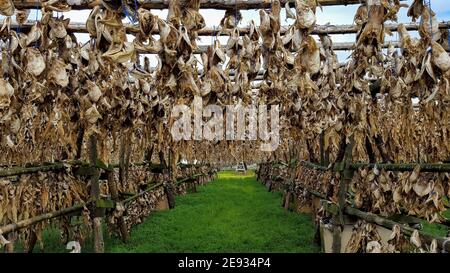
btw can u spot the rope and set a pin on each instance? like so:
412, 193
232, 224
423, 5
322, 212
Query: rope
135, 8
132, 19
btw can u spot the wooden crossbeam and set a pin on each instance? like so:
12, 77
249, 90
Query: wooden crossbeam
211, 31
204, 4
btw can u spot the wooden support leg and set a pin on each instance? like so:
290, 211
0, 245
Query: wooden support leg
287, 202
336, 248
99, 244
95, 194
31, 242
115, 197
9, 248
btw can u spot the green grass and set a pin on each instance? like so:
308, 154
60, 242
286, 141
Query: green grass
232, 214
437, 229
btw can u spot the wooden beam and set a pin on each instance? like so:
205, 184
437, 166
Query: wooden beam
46, 216
405, 167
204, 4
211, 31
373, 218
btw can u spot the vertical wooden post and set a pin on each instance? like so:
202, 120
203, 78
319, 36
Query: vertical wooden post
345, 177
128, 154
115, 197
322, 148
95, 194
122, 159
9, 247
31, 241
80, 137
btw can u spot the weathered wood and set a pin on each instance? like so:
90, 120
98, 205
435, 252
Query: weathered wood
134, 197
9, 247
213, 31
387, 223
370, 152
373, 218
400, 167
28, 170
341, 151
99, 245
80, 137
380, 146
336, 246
115, 197
95, 195
205, 4
322, 148
287, 201
344, 181
31, 242
404, 167
128, 153
313, 165
122, 152
46, 216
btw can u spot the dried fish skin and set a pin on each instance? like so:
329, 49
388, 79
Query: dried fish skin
58, 73
58, 28
35, 61
6, 7
6, 92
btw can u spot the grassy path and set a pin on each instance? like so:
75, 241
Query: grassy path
231, 214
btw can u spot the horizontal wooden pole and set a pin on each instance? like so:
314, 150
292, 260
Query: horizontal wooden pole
213, 31
46, 216
131, 198
313, 166
400, 167
189, 178
373, 218
407, 167
27, 170
204, 4
57, 166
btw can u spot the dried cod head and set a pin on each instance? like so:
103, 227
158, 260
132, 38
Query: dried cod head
6, 92
22, 16
58, 28
6, 7
35, 61
58, 73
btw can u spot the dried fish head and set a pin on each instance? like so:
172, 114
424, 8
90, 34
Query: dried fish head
22, 16
6, 7
35, 34
306, 18
58, 28
94, 91
35, 61
147, 21
440, 57
58, 74
92, 115
6, 92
